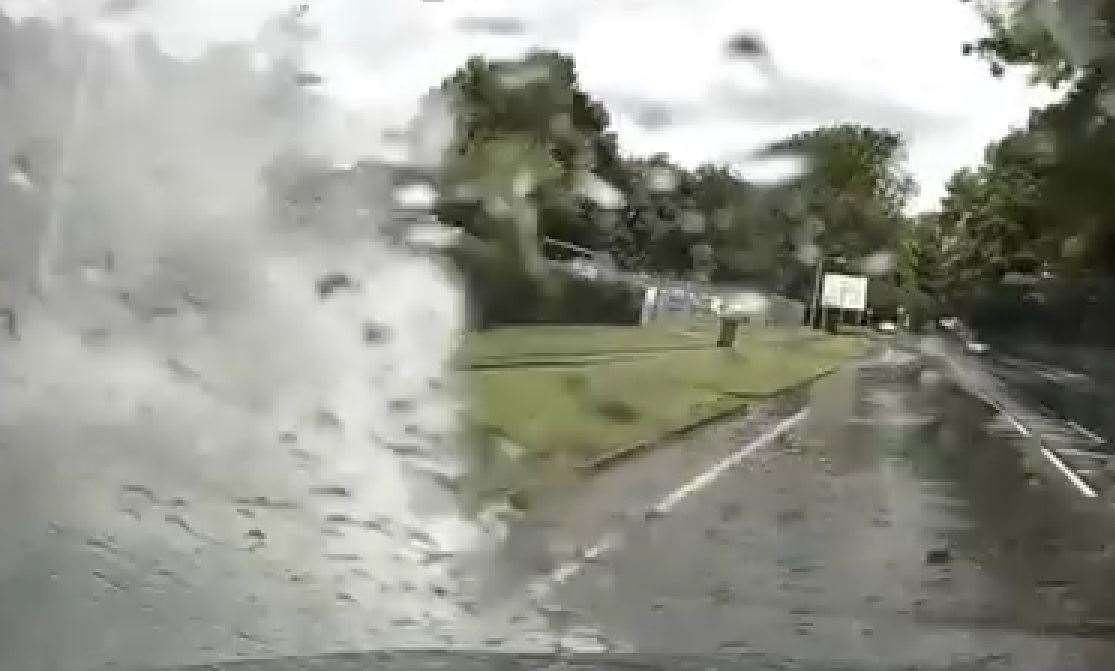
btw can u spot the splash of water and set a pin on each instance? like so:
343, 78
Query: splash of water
221, 382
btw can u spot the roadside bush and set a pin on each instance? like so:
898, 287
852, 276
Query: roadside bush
502, 294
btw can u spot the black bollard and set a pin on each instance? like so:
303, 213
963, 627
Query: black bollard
728, 327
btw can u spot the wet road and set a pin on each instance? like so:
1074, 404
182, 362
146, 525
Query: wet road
1072, 394
902, 523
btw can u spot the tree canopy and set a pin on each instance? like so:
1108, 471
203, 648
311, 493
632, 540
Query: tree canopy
853, 185
1042, 202
532, 154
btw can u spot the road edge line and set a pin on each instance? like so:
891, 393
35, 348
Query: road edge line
709, 475
1083, 487
572, 567
607, 459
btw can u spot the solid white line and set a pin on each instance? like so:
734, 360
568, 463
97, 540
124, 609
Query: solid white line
1084, 487
1018, 426
705, 478
609, 542
1087, 433
1075, 479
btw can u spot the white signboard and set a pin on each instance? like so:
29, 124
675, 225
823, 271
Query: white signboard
844, 291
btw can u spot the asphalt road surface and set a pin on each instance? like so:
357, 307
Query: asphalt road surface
903, 523
888, 518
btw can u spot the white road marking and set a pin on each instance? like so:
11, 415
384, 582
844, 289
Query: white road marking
1075, 479
1018, 426
986, 400
705, 478
1046, 375
1044, 370
574, 566
1087, 433
610, 541
1082, 454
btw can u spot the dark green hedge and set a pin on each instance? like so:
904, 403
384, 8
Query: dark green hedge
502, 295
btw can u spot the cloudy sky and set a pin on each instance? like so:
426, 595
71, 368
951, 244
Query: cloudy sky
661, 66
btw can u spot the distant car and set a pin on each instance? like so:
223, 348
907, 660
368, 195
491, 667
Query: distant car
976, 347
886, 327
948, 323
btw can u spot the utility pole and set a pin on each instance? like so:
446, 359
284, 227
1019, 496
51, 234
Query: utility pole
815, 304
816, 227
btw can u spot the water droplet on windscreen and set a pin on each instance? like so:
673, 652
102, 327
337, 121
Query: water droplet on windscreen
188, 397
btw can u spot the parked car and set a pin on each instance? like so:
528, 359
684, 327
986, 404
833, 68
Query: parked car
886, 326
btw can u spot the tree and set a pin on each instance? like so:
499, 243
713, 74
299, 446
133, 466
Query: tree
528, 156
530, 152
660, 223
921, 256
853, 185
538, 100
537, 96
1025, 32
706, 223
500, 174
671, 220
1068, 192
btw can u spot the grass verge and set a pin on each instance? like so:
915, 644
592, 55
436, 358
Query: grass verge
581, 392
574, 344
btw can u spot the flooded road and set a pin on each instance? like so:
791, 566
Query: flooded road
902, 523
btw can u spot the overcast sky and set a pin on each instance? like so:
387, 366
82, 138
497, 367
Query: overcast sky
662, 67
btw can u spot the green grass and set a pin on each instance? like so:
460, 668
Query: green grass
521, 345
585, 391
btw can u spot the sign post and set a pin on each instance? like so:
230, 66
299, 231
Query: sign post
844, 292
815, 301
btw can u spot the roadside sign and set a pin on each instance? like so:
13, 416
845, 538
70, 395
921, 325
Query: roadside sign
848, 292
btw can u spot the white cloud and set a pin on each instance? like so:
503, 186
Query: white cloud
662, 68
772, 170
